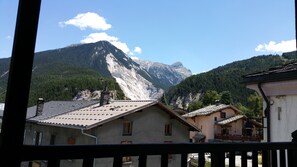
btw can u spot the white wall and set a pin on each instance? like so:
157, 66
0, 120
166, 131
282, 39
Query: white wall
283, 122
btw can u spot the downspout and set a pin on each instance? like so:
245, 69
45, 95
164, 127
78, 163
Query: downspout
266, 111
92, 136
89, 135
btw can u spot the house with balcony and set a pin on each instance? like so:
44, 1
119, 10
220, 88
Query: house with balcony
221, 122
278, 87
114, 122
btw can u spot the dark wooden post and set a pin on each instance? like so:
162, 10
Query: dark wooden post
292, 154
18, 86
142, 160
201, 159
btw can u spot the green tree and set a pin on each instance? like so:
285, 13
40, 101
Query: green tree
210, 97
245, 111
195, 105
226, 97
255, 104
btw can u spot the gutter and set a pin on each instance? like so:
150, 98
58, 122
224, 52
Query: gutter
89, 135
92, 136
266, 111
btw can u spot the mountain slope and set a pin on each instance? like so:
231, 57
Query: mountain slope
224, 78
100, 59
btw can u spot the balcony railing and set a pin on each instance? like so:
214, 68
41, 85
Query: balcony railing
238, 137
283, 153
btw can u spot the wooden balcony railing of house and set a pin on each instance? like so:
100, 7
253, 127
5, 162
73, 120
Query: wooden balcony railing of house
13, 152
53, 154
238, 138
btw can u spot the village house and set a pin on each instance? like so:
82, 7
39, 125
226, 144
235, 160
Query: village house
101, 122
222, 122
278, 87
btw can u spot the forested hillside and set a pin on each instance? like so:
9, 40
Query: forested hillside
227, 78
63, 82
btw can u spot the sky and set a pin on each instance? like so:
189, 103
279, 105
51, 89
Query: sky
201, 34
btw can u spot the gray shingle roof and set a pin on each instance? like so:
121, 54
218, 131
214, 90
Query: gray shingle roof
208, 110
88, 114
230, 119
54, 108
94, 115
279, 73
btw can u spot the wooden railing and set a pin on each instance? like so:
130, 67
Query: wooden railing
286, 151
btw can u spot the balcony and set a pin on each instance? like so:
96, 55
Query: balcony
13, 152
51, 155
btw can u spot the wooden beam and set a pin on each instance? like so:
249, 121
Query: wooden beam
18, 86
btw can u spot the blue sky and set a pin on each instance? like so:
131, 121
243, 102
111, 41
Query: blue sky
202, 34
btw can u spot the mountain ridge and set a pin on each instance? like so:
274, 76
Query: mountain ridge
100, 58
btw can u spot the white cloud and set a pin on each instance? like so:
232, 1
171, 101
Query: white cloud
96, 22
102, 36
134, 58
87, 20
283, 46
137, 50
121, 45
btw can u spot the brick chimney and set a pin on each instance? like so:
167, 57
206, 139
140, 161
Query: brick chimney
39, 106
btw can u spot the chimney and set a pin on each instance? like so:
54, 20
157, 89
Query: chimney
39, 106
104, 97
217, 102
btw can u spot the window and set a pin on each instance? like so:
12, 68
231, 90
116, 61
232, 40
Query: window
127, 128
168, 129
37, 139
223, 115
215, 118
126, 159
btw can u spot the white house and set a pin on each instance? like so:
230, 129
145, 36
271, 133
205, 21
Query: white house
278, 87
114, 122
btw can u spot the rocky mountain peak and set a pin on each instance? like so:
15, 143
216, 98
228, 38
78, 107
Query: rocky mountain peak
177, 64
